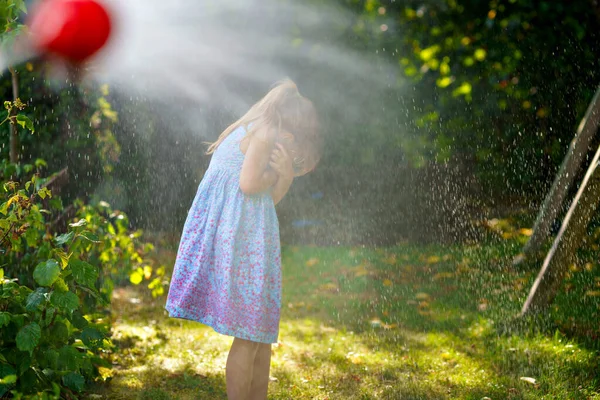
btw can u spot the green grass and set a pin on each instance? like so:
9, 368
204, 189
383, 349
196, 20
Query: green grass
396, 323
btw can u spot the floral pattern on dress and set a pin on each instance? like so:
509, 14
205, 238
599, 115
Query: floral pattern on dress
227, 273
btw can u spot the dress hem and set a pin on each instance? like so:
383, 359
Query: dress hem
173, 314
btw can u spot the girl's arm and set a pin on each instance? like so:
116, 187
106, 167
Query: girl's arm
281, 162
280, 189
254, 176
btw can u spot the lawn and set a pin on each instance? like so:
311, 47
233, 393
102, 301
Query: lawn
409, 322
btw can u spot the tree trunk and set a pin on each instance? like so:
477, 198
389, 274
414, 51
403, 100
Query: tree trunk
14, 132
569, 239
578, 149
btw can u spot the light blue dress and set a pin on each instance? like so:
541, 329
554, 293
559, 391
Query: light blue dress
228, 269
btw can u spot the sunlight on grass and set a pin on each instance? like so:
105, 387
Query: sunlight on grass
405, 323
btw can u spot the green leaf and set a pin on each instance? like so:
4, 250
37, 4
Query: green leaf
81, 222
85, 274
78, 320
47, 319
49, 374
87, 367
480, 54
46, 273
68, 358
23, 363
64, 257
60, 285
4, 207
91, 337
51, 357
74, 381
28, 337
60, 333
136, 277
56, 204
25, 122
18, 319
64, 238
94, 293
28, 378
5, 370
8, 380
445, 81
4, 318
90, 236
44, 192
31, 237
56, 389
65, 301
35, 298
464, 89
428, 53
40, 163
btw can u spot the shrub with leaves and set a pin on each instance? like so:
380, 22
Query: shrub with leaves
47, 345
55, 289
120, 251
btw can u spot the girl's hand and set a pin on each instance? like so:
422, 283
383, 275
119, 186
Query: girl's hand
282, 163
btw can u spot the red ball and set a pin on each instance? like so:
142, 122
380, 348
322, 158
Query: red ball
71, 29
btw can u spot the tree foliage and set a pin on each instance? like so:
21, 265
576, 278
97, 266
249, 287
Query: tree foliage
499, 85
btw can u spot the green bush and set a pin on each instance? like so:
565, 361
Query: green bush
47, 343
120, 251
55, 289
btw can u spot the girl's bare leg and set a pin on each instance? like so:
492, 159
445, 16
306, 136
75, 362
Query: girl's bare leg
240, 368
260, 376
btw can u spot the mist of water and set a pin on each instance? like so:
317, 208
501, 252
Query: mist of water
199, 58
218, 52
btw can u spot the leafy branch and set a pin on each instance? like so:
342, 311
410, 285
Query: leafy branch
20, 119
8, 231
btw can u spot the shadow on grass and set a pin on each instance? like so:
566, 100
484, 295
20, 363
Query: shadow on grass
160, 384
403, 323
449, 307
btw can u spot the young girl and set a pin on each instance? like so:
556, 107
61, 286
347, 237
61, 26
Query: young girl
228, 269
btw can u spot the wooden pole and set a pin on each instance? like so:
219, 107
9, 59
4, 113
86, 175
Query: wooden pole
567, 242
578, 150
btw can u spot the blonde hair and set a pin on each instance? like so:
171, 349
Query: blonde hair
282, 108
